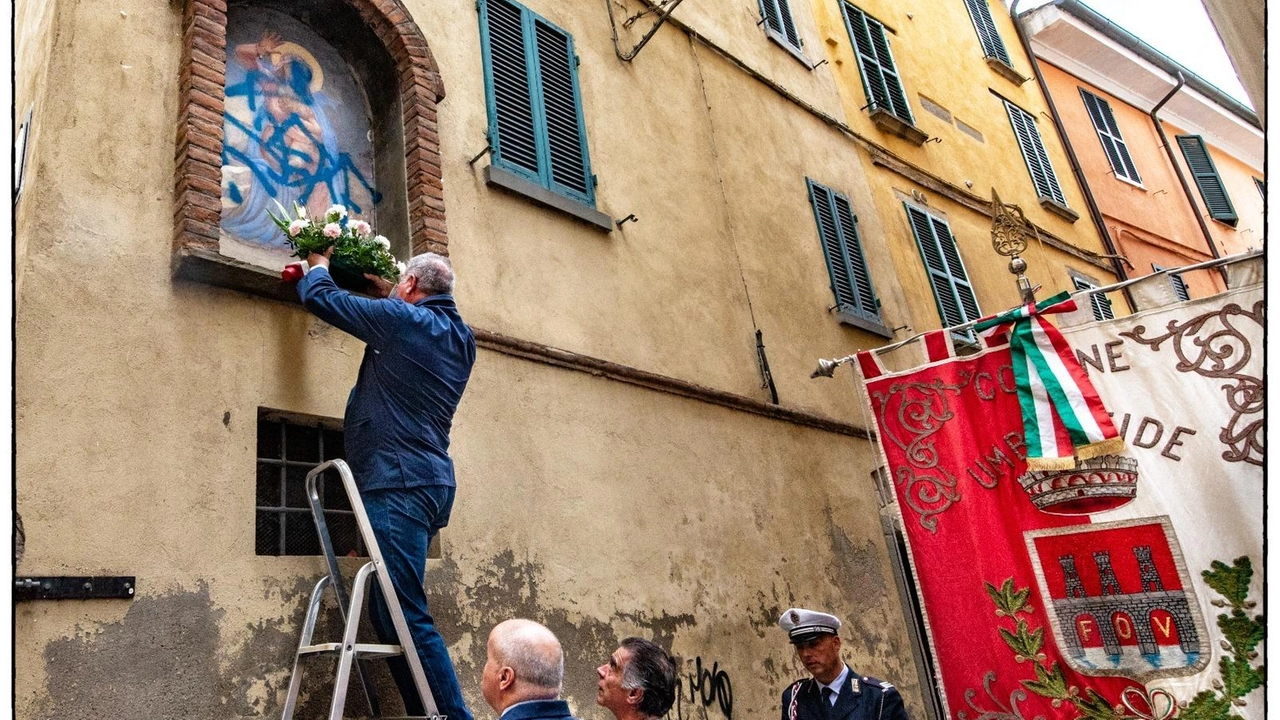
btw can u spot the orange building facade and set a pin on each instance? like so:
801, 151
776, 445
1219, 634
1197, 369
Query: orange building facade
1174, 167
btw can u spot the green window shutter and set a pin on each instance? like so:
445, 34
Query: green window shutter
564, 138
1207, 179
838, 230
1104, 121
512, 120
1098, 302
780, 23
952, 291
992, 43
1033, 152
1262, 187
880, 78
1180, 289
536, 127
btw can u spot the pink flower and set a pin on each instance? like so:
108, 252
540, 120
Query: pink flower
332, 230
296, 227
360, 227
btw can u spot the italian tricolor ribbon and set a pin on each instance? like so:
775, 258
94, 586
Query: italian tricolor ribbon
1062, 414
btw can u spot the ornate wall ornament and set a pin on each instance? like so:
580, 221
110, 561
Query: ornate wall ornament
1010, 229
1212, 345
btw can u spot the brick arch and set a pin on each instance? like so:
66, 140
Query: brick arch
198, 155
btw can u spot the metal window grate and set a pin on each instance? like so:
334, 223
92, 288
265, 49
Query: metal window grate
288, 447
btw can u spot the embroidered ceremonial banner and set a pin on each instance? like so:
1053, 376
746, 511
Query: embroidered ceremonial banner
1185, 387
1031, 612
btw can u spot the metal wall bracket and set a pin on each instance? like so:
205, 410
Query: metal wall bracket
101, 587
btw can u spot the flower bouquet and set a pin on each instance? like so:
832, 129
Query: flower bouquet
356, 250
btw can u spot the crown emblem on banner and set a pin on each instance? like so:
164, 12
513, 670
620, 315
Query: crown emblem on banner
1093, 485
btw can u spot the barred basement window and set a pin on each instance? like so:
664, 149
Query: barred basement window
289, 446
1098, 302
1117, 152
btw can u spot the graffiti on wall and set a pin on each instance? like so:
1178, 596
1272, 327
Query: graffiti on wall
295, 127
703, 689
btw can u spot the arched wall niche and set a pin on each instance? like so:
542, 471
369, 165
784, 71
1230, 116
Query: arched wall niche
390, 65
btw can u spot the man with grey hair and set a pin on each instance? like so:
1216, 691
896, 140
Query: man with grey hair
417, 360
638, 682
524, 672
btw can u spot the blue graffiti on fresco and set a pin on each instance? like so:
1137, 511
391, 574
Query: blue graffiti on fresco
292, 151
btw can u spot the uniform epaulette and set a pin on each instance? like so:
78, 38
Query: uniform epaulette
882, 684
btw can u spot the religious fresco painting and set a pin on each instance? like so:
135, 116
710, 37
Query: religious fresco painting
296, 128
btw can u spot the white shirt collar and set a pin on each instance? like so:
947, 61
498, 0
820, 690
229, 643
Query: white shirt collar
836, 684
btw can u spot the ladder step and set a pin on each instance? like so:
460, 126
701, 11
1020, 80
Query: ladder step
363, 650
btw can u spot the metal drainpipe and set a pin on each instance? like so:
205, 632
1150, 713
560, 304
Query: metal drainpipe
1177, 169
1094, 213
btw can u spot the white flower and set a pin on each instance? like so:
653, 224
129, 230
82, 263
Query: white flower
297, 226
385, 243
360, 227
335, 213
332, 230
401, 267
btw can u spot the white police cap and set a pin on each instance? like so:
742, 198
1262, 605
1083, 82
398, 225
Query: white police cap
800, 624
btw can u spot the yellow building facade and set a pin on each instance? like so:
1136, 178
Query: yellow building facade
960, 67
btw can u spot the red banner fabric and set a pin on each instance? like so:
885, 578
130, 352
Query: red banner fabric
952, 435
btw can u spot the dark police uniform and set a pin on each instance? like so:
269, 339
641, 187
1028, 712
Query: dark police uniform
861, 697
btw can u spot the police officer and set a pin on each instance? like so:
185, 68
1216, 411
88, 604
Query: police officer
835, 692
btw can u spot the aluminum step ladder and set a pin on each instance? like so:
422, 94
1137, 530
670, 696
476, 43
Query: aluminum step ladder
350, 652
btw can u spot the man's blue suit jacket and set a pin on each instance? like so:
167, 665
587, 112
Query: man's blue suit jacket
417, 360
539, 710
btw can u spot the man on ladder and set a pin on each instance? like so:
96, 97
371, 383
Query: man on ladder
417, 359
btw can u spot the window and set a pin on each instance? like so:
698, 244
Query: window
992, 44
1109, 133
1207, 179
1258, 183
957, 304
779, 24
536, 127
1099, 302
880, 78
1180, 289
289, 447
838, 230
1033, 152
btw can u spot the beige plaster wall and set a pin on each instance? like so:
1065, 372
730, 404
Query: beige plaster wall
600, 508
33, 31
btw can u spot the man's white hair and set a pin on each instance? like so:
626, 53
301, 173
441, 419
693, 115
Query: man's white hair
533, 652
433, 272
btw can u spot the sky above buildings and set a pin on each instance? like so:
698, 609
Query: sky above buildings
1180, 29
